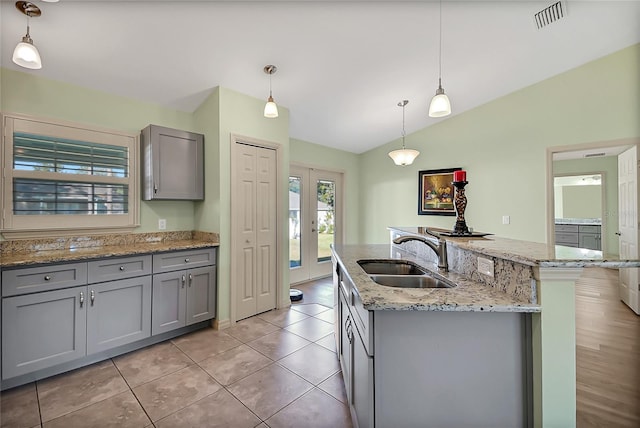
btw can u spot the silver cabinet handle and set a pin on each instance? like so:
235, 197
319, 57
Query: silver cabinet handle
184, 279
81, 298
92, 296
122, 268
47, 278
186, 260
190, 279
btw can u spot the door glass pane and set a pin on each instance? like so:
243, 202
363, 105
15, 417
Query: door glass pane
295, 257
326, 218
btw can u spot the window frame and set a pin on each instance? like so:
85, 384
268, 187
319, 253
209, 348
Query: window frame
15, 226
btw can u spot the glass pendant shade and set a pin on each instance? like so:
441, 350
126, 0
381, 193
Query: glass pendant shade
26, 54
404, 157
270, 109
440, 105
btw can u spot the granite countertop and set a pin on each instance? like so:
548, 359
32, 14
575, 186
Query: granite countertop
531, 253
467, 296
580, 221
110, 249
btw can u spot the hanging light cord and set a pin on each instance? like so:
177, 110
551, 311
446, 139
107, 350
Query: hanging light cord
440, 50
403, 103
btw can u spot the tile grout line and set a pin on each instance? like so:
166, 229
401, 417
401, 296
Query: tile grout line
133, 393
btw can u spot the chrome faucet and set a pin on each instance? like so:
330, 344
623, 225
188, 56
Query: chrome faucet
440, 249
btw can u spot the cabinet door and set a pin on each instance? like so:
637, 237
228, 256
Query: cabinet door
42, 330
590, 241
362, 383
119, 312
346, 337
169, 301
173, 164
201, 294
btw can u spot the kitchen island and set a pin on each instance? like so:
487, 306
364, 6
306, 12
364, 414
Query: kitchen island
498, 349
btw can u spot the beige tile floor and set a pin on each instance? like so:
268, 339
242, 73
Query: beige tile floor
277, 369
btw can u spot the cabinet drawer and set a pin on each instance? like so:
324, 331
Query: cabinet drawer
566, 228
177, 260
563, 238
119, 268
589, 229
363, 320
44, 278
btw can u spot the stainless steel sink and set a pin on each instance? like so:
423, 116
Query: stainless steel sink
411, 281
391, 267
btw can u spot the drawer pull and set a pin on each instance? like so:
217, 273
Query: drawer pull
47, 278
184, 279
186, 260
122, 268
92, 297
81, 298
190, 279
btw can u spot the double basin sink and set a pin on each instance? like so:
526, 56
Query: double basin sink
403, 274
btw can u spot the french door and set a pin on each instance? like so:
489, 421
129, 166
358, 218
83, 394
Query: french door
315, 214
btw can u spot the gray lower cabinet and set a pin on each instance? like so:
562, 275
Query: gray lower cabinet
357, 366
119, 313
43, 329
182, 298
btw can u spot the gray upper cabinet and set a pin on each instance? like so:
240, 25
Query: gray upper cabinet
173, 164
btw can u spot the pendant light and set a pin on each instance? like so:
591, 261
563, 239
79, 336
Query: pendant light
440, 105
270, 109
26, 54
405, 156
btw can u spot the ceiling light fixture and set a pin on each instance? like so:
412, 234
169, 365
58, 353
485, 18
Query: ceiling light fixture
440, 105
26, 54
405, 156
270, 109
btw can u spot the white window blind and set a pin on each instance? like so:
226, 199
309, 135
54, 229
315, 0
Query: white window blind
67, 177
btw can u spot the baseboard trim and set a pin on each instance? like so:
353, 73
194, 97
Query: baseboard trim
221, 324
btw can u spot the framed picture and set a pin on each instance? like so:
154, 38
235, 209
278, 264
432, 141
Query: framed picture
435, 192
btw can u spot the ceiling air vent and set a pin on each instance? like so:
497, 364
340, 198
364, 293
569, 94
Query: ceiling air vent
594, 155
550, 14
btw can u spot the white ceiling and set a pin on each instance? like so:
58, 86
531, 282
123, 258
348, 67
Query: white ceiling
342, 66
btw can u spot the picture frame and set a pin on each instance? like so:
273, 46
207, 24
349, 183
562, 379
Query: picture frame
435, 192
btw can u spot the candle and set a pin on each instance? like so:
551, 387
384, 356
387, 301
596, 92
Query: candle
460, 175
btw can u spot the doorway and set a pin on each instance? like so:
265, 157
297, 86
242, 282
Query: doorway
315, 221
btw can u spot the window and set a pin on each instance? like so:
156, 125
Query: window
62, 177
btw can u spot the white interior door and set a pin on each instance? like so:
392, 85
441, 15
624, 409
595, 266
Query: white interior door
315, 213
253, 205
628, 223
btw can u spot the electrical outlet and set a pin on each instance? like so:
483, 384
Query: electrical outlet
485, 266
506, 219
162, 224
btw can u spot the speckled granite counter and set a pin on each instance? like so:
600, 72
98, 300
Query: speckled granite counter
467, 296
56, 250
530, 253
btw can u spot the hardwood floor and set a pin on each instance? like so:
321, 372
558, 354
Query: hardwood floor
607, 353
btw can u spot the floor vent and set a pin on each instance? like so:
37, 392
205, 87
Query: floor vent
550, 14
594, 155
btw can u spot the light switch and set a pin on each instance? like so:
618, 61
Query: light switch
162, 224
506, 219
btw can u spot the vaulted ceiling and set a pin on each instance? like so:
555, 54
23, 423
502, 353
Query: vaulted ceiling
342, 65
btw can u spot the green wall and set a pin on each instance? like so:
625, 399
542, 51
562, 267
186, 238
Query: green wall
582, 201
502, 145
608, 166
30, 94
241, 115
321, 157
